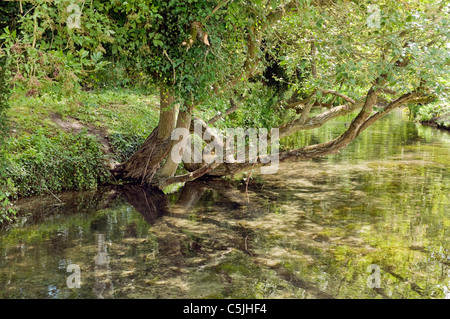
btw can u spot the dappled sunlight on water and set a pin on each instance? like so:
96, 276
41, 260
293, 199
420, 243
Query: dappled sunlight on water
310, 231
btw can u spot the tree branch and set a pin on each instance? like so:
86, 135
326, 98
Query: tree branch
402, 100
318, 120
220, 5
190, 176
234, 107
316, 150
305, 112
359, 124
345, 97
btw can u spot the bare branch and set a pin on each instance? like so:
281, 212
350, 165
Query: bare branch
305, 112
404, 99
388, 91
345, 97
220, 5
190, 176
234, 107
359, 124
317, 121
322, 149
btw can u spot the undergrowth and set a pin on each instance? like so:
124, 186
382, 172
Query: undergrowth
39, 157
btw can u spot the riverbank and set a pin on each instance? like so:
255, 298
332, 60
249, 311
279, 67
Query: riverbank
58, 143
437, 116
442, 122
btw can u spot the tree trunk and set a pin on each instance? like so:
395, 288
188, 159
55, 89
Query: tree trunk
167, 115
170, 167
142, 165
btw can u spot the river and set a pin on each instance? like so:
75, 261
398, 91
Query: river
370, 222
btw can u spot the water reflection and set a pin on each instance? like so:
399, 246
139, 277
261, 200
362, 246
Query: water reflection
103, 287
310, 231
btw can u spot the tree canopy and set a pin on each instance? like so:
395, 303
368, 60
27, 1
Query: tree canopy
266, 59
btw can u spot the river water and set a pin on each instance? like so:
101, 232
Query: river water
370, 222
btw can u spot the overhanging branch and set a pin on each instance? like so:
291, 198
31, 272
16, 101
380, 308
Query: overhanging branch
190, 176
345, 97
318, 120
233, 108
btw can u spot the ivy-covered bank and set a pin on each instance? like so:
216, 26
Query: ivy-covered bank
434, 115
6, 212
55, 143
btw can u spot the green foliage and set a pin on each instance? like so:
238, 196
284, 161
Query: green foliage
36, 69
44, 50
407, 49
198, 48
6, 211
435, 112
38, 163
151, 41
125, 145
154, 38
9, 14
4, 96
255, 113
155, 41
38, 157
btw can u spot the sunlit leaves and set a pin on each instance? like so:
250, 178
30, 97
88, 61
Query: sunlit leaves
410, 37
407, 47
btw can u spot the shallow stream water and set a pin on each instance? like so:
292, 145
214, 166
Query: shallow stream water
370, 222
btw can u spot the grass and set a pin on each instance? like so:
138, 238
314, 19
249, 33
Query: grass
117, 110
40, 156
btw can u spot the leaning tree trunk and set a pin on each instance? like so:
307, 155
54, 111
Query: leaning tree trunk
142, 166
183, 122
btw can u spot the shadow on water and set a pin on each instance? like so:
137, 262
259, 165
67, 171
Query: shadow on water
151, 203
311, 231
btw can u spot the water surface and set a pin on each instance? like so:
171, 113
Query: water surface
310, 231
